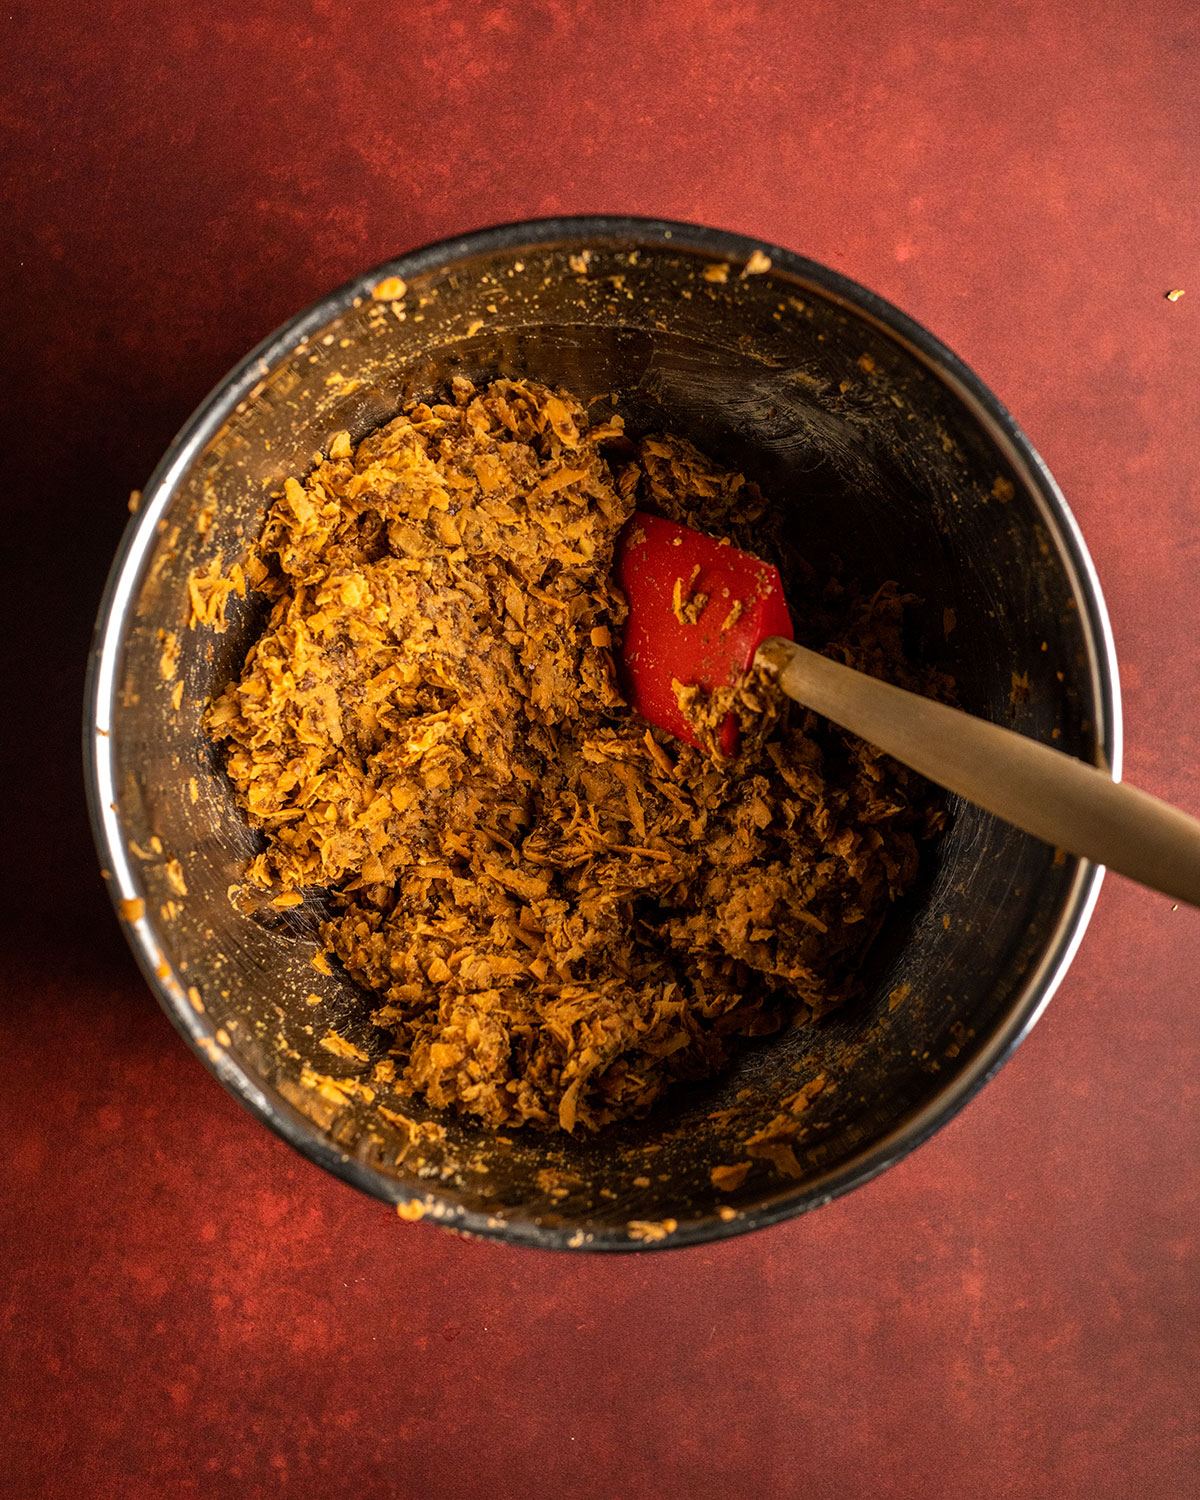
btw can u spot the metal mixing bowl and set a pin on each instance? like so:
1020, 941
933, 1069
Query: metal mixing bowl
876, 444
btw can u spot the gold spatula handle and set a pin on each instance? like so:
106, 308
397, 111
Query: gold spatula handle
1070, 804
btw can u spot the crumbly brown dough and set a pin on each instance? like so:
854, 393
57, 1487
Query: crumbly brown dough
560, 909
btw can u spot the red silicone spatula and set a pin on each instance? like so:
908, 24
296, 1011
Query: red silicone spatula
700, 612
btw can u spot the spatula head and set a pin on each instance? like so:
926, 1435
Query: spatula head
698, 611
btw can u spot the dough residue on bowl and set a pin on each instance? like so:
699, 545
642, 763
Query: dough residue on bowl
559, 909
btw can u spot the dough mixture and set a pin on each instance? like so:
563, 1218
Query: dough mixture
559, 909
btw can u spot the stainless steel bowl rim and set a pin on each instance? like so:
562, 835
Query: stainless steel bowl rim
207, 420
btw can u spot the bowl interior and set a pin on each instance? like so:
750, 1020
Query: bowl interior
868, 455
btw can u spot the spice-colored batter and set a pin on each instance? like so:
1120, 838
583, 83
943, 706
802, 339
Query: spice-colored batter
560, 909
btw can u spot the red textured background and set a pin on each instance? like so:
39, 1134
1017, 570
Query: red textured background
188, 1307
